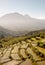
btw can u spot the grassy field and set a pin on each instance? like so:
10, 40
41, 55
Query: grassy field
25, 50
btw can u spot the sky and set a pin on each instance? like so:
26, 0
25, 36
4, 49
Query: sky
34, 8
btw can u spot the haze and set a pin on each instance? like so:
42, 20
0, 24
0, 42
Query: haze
19, 22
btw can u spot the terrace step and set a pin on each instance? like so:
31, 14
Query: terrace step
13, 62
35, 57
22, 53
15, 56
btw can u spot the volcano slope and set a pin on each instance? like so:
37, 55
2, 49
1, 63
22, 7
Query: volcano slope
25, 50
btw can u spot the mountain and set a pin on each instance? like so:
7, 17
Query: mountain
4, 32
21, 24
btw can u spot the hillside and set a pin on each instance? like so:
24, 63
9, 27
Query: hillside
4, 32
26, 50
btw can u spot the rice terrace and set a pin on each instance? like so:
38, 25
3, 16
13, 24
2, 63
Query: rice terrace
23, 50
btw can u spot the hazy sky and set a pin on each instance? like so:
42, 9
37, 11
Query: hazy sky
35, 8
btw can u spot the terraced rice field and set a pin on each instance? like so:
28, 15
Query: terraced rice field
23, 53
